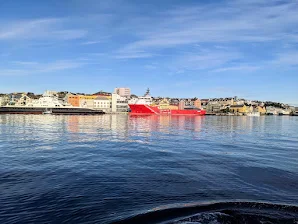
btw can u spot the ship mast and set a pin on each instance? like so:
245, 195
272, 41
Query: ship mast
147, 92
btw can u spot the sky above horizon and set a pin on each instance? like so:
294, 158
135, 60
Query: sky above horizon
190, 48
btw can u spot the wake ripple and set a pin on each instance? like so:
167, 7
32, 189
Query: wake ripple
220, 213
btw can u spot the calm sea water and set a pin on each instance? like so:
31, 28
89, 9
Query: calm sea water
148, 169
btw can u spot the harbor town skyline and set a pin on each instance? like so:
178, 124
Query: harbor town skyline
176, 48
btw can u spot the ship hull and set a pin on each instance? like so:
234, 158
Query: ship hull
41, 110
141, 109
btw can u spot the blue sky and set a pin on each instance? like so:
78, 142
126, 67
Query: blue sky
245, 48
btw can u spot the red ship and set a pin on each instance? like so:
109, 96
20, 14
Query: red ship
143, 106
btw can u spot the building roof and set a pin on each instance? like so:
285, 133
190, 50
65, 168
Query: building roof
236, 106
101, 98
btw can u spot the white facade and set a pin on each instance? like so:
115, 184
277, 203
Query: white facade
102, 103
119, 103
24, 100
124, 92
87, 103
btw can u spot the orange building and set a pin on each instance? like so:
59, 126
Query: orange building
74, 100
197, 103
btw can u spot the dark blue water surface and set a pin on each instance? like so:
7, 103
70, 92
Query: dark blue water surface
148, 169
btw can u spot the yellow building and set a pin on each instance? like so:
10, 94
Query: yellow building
87, 101
164, 104
173, 107
260, 109
239, 109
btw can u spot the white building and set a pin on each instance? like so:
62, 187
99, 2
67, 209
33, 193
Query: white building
102, 103
124, 92
4, 100
119, 103
23, 100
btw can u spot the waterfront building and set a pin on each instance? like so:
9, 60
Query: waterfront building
249, 109
103, 103
197, 103
14, 98
119, 103
193, 103
23, 100
213, 107
87, 101
164, 104
4, 99
272, 110
204, 103
123, 92
73, 100
242, 109
260, 109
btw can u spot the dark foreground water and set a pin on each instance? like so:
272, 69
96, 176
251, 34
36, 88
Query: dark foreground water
117, 168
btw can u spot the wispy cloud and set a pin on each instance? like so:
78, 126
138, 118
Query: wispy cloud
99, 40
219, 23
31, 68
91, 42
202, 60
52, 28
289, 58
237, 68
123, 54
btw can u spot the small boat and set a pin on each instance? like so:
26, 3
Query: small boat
47, 111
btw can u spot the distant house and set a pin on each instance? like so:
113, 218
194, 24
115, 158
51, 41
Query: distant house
193, 103
213, 107
73, 100
272, 110
261, 110
249, 109
239, 109
102, 103
223, 101
4, 99
164, 104
87, 101
77, 100
23, 100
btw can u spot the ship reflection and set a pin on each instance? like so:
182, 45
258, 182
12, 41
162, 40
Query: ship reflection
166, 124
